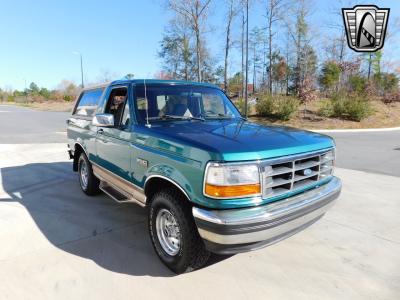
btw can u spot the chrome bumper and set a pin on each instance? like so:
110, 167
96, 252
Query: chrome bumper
239, 230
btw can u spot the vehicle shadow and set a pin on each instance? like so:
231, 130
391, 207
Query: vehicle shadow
114, 236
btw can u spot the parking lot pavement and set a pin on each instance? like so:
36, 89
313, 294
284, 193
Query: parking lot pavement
57, 243
19, 125
377, 152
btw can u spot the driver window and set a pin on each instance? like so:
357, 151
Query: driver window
115, 105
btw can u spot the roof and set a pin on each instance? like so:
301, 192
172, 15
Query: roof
155, 82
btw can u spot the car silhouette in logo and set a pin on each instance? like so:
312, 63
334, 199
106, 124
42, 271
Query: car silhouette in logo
365, 27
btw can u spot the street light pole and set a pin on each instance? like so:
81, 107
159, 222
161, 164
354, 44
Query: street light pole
82, 72
80, 54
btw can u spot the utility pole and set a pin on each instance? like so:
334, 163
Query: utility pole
246, 94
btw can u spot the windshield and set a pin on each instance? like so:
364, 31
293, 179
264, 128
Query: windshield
183, 102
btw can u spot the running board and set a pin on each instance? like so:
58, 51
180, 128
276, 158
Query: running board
117, 194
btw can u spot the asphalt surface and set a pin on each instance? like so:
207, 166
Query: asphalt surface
20, 125
377, 152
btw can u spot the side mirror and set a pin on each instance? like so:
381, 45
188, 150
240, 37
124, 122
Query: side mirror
103, 120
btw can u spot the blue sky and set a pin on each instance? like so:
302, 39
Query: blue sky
38, 37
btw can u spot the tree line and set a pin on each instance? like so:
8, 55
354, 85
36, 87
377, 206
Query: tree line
279, 53
66, 90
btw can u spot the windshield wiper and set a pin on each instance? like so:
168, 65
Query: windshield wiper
175, 117
218, 116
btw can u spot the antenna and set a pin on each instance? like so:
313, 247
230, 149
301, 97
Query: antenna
148, 125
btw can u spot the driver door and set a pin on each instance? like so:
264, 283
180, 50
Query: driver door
113, 143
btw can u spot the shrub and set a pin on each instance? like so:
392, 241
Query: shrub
240, 105
286, 107
386, 82
350, 107
280, 107
67, 98
357, 109
391, 97
265, 106
326, 108
357, 83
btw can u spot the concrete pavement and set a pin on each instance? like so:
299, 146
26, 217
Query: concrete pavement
58, 243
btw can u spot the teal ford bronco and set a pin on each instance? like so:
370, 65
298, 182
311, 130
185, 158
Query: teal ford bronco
211, 181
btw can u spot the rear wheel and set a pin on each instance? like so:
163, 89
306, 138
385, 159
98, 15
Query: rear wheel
174, 234
89, 183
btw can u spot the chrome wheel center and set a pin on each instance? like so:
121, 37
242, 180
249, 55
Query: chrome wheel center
168, 232
84, 174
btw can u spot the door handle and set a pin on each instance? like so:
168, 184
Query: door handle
100, 131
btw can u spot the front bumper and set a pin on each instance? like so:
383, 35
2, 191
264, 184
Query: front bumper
239, 230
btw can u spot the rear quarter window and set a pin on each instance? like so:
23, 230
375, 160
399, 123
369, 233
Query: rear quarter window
87, 103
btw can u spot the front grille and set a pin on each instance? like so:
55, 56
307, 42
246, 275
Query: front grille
283, 175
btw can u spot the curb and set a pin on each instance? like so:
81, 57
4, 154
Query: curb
356, 130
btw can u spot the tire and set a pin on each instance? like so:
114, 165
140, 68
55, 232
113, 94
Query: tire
191, 253
89, 183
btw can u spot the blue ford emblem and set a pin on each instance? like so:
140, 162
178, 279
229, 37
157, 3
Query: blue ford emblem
307, 172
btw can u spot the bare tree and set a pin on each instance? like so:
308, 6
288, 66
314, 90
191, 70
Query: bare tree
301, 39
176, 51
272, 16
195, 13
105, 75
287, 63
232, 12
243, 51
257, 37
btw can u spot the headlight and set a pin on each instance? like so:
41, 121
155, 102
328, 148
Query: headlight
232, 180
327, 163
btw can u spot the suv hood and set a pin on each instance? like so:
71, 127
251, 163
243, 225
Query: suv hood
236, 140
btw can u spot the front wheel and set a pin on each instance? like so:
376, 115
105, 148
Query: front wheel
174, 234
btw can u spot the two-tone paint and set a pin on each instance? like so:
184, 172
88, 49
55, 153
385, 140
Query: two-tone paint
178, 151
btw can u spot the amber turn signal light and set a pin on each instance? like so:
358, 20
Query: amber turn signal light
219, 191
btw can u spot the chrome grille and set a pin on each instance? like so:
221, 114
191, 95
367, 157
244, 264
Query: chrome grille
283, 175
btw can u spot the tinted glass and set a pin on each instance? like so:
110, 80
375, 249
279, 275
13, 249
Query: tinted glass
88, 103
183, 101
